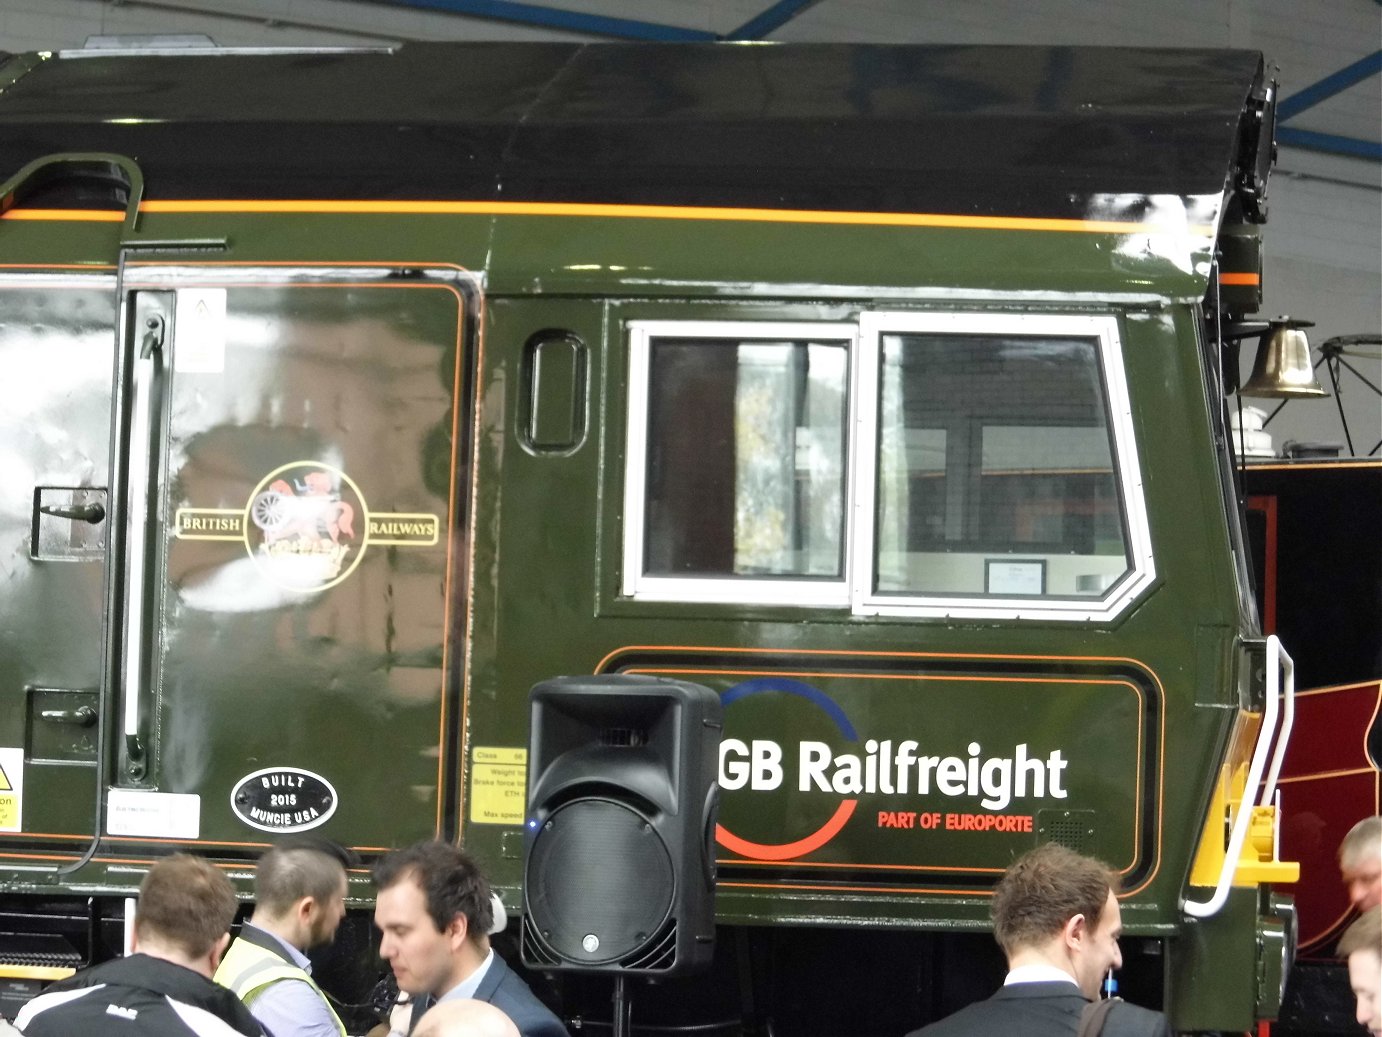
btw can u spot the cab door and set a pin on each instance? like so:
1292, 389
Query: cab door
57, 347
290, 552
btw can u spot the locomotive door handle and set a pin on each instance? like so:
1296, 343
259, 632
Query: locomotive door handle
92, 512
82, 716
149, 363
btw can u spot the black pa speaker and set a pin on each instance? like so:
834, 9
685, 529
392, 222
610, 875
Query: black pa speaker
619, 868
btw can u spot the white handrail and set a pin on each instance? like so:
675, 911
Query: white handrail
1271, 709
145, 371
1288, 717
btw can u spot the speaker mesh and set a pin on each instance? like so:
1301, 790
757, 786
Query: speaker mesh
600, 882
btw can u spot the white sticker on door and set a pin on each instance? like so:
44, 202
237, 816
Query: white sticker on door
199, 334
163, 815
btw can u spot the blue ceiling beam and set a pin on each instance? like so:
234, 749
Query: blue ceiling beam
1291, 137
1329, 86
774, 17
555, 18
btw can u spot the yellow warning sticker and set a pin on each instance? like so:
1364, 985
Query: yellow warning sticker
498, 785
11, 789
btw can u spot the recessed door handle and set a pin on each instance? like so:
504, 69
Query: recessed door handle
82, 716
92, 512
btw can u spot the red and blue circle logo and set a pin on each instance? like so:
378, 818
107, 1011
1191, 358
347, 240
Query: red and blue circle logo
843, 811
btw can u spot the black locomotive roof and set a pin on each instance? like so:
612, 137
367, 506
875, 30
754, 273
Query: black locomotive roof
1065, 132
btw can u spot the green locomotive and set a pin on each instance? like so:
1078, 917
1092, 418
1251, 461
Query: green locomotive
351, 394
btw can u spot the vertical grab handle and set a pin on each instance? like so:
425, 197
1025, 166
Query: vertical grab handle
1265, 735
1278, 661
144, 391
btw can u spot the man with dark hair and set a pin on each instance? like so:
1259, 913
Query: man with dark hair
164, 987
434, 913
299, 900
1361, 947
1056, 916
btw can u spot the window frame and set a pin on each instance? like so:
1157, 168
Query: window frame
1141, 571
853, 590
815, 591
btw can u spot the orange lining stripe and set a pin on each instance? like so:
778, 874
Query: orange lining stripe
857, 889
1249, 280
66, 215
613, 655
1373, 685
610, 211
1321, 775
1137, 799
1361, 463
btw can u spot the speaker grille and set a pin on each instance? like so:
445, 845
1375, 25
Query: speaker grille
1074, 829
600, 885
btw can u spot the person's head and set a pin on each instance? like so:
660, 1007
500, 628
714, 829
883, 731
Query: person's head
1360, 863
465, 1017
1361, 946
1057, 907
184, 912
299, 892
434, 916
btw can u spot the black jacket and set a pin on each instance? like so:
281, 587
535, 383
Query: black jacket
1042, 1010
138, 996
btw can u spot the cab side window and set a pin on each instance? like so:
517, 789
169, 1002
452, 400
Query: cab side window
739, 440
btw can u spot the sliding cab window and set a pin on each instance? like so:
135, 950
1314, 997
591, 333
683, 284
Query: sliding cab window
1001, 474
737, 462
915, 464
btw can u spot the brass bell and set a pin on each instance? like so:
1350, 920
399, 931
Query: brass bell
1282, 368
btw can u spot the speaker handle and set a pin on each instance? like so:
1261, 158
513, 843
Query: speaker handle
711, 815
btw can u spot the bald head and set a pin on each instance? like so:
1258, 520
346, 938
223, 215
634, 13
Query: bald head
465, 1018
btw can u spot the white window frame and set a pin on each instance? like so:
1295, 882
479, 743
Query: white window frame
1104, 329
854, 590
798, 590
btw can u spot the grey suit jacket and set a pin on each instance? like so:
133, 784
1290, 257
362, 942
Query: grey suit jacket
1042, 1010
505, 990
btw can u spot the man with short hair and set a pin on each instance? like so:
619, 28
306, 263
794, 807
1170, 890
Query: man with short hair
299, 901
1360, 863
1361, 947
1057, 919
163, 988
465, 1017
434, 913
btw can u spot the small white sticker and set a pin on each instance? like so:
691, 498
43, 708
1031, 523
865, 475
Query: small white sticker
166, 815
11, 790
199, 331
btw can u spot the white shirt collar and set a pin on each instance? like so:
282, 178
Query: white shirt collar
1039, 974
468, 986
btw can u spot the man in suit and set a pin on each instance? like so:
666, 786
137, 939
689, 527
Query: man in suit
1361, 947
1057, 919
434, 911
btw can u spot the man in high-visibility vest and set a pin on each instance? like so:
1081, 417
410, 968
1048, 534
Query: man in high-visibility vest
299, 900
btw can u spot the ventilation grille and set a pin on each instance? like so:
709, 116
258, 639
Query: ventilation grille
1074, 829
657, 955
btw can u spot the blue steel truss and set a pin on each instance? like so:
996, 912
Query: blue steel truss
600, 25
1303, 100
